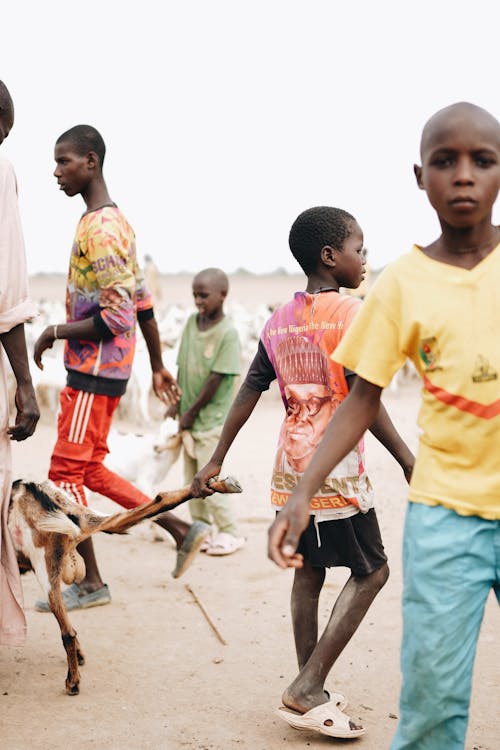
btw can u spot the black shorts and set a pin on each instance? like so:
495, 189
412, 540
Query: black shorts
353, 542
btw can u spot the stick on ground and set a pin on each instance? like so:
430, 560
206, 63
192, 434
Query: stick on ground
207, 616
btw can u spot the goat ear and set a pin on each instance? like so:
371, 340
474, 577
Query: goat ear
16, 484
15, 490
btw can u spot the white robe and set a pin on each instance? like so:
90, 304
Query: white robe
15, 308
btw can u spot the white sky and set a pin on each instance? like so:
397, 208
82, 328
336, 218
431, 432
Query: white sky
224, 119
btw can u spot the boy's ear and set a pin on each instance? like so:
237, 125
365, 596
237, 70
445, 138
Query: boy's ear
418, 174
92, 159
327, 255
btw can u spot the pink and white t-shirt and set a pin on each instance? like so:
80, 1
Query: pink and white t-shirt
295, 347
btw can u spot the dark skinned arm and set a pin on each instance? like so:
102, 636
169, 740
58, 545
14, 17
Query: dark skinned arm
164, 384
207, 393
354, 416
241, 409
385, 432
28, 414
80, 329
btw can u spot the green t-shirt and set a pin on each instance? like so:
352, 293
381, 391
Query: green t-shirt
203, 352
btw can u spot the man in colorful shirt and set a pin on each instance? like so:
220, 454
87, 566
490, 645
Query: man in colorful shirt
104, 298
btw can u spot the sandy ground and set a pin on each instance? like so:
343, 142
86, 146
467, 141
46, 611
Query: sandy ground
157, 677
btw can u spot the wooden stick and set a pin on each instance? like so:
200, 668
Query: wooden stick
207, 616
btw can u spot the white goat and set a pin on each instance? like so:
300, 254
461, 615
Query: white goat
46, 525
144, 459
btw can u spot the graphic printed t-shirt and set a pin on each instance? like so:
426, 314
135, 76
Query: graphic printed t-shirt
445, 319
298, 340
200, 353
106, 284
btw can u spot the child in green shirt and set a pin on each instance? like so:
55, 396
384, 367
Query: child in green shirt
208, 362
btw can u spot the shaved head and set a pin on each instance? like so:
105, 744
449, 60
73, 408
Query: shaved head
455, 117
6, 102
213, 277
460, 170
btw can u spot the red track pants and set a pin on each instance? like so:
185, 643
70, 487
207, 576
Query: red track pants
77, 460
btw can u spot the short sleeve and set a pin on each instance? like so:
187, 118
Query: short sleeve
227, 360
373, 347
261, 373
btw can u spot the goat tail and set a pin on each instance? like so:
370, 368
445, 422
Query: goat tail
57, 522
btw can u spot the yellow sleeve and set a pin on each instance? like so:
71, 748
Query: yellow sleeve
374, 346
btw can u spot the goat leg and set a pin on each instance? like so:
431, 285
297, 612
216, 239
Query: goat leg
229, 485
119, 523
54, 554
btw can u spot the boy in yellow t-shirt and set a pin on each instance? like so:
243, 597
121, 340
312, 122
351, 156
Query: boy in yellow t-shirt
439, 306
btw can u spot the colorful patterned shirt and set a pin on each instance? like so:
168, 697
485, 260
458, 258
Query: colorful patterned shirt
298, 340
104, 283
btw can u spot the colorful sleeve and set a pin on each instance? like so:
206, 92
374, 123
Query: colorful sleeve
228, 358
352, 309
110, 250
144, 299
373, 347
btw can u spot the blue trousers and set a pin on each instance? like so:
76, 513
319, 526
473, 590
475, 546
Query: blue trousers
450, 563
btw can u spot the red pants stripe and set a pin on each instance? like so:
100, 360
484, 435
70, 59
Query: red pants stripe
77, 460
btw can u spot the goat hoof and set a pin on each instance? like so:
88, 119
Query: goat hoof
72, 689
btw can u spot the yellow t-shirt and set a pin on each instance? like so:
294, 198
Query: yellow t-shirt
446, 320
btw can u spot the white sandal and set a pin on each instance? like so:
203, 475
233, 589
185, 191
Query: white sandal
225, 544
326, 718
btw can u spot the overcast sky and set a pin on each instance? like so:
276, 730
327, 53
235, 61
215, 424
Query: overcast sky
224, 119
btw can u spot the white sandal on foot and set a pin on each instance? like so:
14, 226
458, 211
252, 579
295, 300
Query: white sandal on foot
225, 544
